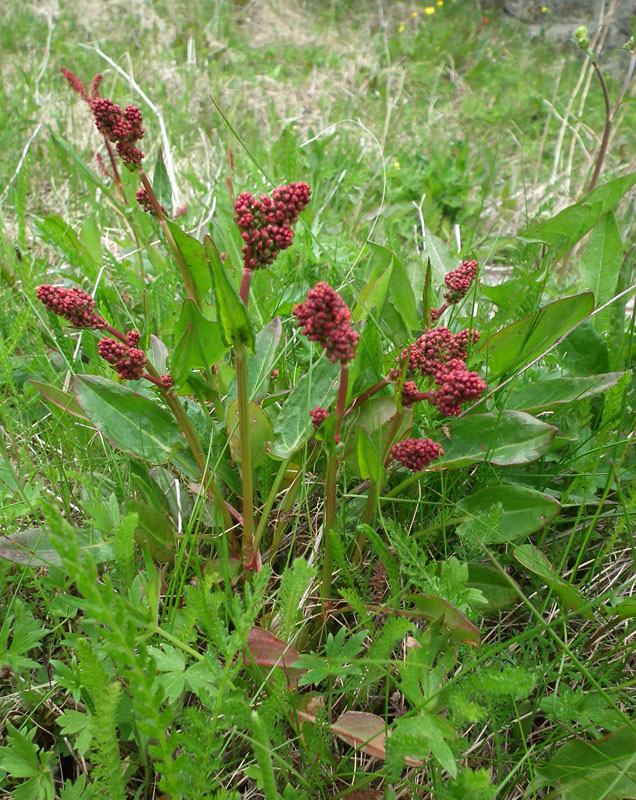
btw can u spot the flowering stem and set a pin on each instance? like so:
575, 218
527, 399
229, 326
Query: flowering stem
248, 542
161, 218
192, 439
246, 282
369, 509
441, 310
606, 131
367, 394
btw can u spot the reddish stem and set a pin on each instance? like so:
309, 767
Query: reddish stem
367, 394
117, 334
246, 282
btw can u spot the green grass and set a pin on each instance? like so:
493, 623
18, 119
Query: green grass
124, 674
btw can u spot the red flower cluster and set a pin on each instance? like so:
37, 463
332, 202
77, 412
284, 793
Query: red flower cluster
73, 304
416, 454
122, 127
266, 223
168, 381
144, 201
325, 318
127, 359
433, 349
458, 281
318, 416
456, 386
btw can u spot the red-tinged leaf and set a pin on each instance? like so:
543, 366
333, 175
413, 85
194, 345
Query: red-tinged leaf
460, 627
267, 650
366, 732
60, 398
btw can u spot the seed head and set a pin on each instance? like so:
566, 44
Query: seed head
416, 454
73, 304
128, 361
75, 83
145, 202
168, 381
456, 386
325, 318
458, 281
266, 223
434, 348
122, 127
318, 416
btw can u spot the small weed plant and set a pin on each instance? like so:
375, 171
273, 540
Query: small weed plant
316, 491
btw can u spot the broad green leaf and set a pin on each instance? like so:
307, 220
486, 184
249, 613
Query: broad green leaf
375, 417
369, 458
536, 562
261, 433
194, 255
516, 345
261, 363
524, 510
592, 769
235, 323
90, 237
402, 295
368, 366
132, 422
600, 265
569, 226
584, 352
161, 183
154, 529
495, 587
508, 437
58, 397
460, 627
372, 297
618, 309
318, 387
206, 346
540, 395
33, 547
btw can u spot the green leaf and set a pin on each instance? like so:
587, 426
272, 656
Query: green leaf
534, 561
600, 266
261, 432
260, 364
508, 437
516, 345
434, 608
318, 387
59, 398
372, 297
369, 458
69, 153
194, 255
540, 395
584, 352
154, 529
34, 548
132, 422
524, 510
56, 231
20, 760
589, 770
495, 587
206, 346
569, 226
161, 183
442, 260
235, 323
402, 295
376, 418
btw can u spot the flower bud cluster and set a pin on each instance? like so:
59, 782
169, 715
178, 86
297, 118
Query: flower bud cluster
326, 318
456, 386
266, 223
73, 304
127, 359
145, 202
458, 281
416, 454
434, 348
122, 127
318, 416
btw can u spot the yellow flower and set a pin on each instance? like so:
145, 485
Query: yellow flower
401, 27
396, 164
544, 9
414, 14
429, 10
440, 2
